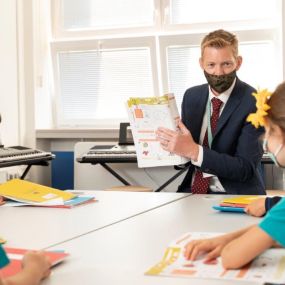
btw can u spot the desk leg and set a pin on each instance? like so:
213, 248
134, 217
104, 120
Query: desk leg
26, 172
108, 168
171, 179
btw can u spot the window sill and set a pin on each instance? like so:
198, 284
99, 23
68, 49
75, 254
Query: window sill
77, 134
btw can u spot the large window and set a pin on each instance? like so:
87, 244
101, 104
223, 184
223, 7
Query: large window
102, 14
105, 51
93, 84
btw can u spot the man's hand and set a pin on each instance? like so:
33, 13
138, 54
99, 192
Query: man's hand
179, 142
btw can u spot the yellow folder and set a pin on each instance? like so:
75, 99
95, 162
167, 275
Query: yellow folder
25, 191
244, 200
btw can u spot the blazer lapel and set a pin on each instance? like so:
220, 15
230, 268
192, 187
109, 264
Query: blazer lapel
231, 105
198, 111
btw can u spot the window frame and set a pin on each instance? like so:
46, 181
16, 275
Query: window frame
59, 32
102, 44
244, 36
156, 37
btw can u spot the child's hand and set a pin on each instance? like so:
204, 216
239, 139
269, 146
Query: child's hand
38, 263
213, 246
2, 200
256, 208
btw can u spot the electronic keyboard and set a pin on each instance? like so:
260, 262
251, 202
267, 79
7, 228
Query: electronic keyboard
105, 154
18, 155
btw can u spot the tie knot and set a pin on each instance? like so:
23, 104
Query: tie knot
216, 103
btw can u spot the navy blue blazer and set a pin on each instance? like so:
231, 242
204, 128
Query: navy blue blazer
235, 156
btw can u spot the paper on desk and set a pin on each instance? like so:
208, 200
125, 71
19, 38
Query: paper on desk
57, 203
268, 267
16, 203
146, 114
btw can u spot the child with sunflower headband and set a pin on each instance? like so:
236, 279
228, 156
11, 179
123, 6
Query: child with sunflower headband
271, 230
260, 207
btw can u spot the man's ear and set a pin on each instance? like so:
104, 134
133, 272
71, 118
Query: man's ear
239, 62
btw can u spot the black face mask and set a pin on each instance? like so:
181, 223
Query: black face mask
220, 83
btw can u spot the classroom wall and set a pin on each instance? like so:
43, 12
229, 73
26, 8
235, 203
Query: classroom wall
9, 73
16, 76
16, 72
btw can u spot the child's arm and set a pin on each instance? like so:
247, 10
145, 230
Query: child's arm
36, 266
260, 207
256, 208
213, 246
245, 248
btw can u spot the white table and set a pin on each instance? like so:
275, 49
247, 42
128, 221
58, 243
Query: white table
122, 253
37, 228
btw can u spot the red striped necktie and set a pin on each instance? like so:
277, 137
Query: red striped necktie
200, 184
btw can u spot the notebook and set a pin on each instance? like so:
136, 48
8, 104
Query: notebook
33, 193
16, 255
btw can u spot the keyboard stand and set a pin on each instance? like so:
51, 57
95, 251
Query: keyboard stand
43, 163
132, 160
114, 173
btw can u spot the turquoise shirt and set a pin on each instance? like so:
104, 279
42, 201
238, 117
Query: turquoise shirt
274, 223
3, 258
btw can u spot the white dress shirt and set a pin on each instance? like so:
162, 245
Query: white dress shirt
215, 184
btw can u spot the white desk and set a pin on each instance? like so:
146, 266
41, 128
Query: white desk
122, 253
37, 228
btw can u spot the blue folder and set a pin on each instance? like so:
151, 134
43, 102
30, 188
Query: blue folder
229, 209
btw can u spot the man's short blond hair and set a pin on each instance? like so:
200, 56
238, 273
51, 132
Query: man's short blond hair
220, 39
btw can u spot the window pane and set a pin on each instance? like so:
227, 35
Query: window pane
258, 68
204, 11
100, 14
95, 85
183, 70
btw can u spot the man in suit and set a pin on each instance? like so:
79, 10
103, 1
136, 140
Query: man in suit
224, 149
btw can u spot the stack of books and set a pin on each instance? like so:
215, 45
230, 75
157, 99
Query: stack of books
235, 204
19, 192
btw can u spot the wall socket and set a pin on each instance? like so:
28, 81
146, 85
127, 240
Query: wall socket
9, 173
3, 176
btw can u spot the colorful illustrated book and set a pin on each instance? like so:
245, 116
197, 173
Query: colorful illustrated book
235, 204
32, 193
268, 267
146, 114
15, 256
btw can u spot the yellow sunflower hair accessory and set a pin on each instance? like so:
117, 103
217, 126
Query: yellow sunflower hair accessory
261, 96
